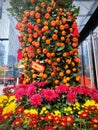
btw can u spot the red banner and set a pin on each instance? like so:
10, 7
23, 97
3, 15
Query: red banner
38, 67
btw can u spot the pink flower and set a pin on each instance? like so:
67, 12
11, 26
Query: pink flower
71, 97
36, 100
31, 90
62, 89
50, 95
95, 96
49, 128
19, 93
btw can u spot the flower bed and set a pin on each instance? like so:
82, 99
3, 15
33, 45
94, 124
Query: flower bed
33, 107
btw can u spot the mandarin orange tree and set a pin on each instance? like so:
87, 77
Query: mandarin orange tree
49, 96
49, 40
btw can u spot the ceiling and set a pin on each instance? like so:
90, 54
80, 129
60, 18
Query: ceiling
87, 7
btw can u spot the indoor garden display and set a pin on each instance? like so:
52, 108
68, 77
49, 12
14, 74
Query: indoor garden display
49, 95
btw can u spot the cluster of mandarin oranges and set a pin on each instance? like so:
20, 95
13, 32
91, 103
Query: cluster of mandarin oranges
46, 37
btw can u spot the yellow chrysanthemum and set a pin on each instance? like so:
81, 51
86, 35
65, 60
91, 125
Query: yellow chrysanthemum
31, 111
11, 98
3, 99
57, 113
10, 108
43, 110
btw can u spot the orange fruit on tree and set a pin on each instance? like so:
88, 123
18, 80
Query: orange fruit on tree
66, 26
29, 39
68, 61
68, 71
41, 74
32, 1
32, 13
46, 23
43, 38
26, 13
48, 54
61, 74
53, 74
74, 69
53, 54
67, 40
43, 4
49, 9
45, 76
64, 20
38, 51
74, 44
48, 41
75, 39
49, 61
78, 78
54, 36
56, 81
37, 15
73, 64
58, 69
37, 61
34, 76
47, 15
38, 20
58, 59
53, 23
63, 33
45, 51
37, 44
62, 38
35, 34
62, 27
65, 54
67, 84
71, 30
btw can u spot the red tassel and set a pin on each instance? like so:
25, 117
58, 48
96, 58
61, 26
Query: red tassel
75, 32
19, 55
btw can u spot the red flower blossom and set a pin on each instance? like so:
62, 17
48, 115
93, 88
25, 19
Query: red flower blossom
31, 90
17, 122
19, 93
56, 120
1, 118
84, 115
94, 123
19, 110
71, 97
95, 96
49, 94
42, 118
63, 121
49, 128
49, 117
7, 115
62, 89
36, 100
1, 109
69, 119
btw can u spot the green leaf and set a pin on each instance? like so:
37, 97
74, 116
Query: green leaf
61, 48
